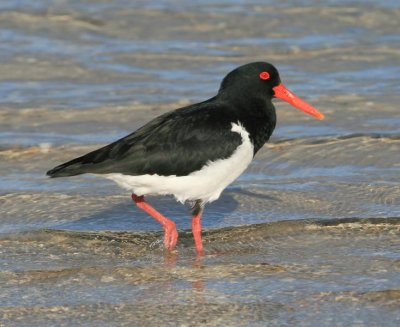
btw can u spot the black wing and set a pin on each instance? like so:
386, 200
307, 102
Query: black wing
176, 143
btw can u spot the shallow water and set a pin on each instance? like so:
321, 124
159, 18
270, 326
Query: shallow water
308, 235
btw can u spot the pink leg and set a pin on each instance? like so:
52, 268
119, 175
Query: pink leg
170, 232
196, 229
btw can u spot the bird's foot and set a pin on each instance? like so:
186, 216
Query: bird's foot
170, 232
170, 235
200, 252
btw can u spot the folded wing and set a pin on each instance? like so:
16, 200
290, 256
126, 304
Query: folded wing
176, 143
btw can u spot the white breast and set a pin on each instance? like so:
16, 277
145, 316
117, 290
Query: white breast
205, 184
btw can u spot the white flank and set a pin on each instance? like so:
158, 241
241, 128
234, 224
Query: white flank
206, 184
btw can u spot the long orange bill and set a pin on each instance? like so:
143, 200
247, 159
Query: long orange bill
283, 93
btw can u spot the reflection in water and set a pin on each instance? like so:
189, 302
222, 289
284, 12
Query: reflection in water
258, 272
280, 267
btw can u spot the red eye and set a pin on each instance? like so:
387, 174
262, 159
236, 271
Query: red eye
264, 75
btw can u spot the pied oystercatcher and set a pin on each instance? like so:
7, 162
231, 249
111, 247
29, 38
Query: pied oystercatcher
196, 151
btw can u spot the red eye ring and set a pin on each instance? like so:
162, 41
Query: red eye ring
264, 75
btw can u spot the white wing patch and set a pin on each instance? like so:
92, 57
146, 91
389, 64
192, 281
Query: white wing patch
206, 184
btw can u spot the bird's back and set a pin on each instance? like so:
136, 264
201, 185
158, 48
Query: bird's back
176, 143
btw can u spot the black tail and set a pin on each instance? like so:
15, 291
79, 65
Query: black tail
70, 168
101, 161
95, 161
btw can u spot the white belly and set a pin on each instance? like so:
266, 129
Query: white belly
205, 184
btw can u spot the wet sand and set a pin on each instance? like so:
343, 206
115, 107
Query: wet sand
307, 236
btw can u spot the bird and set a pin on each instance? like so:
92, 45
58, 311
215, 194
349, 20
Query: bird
196, 151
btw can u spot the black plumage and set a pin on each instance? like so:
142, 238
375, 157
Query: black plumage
184, 140
194, 152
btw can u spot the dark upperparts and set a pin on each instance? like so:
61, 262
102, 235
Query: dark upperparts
176, 143
184, 140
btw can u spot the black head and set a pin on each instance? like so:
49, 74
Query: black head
256, 79
261, 81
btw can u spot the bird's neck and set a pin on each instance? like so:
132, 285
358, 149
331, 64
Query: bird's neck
257, 115
260, 123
